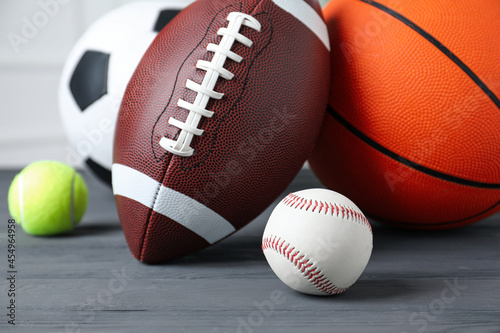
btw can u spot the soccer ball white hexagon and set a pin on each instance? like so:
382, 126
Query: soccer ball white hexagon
96, 75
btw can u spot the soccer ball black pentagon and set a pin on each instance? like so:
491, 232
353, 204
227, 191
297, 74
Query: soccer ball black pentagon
96, 75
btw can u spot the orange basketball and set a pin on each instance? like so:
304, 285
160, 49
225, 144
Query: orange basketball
412, 133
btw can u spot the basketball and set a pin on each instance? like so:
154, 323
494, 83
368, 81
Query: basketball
412, 129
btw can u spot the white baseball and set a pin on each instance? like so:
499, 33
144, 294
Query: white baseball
317, 242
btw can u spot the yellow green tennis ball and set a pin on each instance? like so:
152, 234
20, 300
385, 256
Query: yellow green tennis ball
47, 198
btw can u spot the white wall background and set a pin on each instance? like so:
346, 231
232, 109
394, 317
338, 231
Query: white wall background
30, 128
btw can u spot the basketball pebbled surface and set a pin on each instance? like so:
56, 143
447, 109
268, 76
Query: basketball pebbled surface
411, 133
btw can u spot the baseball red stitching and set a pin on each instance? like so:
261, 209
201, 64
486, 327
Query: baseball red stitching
347, 213
303, 264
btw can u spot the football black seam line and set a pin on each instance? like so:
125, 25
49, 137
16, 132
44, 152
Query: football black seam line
161, 158
160, 116
238, 99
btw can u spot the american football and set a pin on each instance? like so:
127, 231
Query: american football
217, 120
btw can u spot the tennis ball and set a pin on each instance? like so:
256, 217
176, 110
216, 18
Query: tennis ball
47, 198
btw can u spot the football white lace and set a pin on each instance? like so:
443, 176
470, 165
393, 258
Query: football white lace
214, 69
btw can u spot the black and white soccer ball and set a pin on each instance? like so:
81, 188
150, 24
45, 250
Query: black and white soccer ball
96, 75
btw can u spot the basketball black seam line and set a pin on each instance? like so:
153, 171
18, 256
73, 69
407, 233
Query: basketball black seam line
410, 224
377, 146
392, 154
441, 48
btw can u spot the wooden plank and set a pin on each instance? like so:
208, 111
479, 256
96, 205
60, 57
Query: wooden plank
88, 282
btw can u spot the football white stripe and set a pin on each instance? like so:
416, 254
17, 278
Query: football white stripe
134, 185
193, 215
308, 16
198, 218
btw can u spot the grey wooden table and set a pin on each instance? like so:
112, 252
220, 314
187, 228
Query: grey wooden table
88, 282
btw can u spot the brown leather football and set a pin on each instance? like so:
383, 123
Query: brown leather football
219, 117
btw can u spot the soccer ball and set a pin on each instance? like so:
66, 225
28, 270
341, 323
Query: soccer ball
96, 75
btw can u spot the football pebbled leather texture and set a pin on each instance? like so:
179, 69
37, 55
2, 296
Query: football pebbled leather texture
261, 132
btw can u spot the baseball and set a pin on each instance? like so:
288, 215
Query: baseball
317, 242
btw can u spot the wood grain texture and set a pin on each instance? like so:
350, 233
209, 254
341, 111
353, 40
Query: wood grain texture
88, 282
